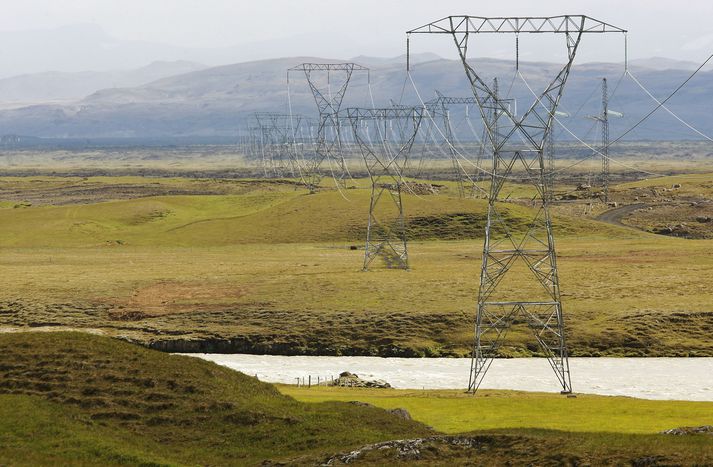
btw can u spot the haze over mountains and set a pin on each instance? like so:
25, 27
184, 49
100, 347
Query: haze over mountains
183, 99
51, 86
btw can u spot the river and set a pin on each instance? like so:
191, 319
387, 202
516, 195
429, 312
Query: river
648, 378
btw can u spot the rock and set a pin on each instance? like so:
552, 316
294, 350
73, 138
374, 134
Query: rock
613, 204
583, 187
703, 219
361, 404
414, 188
350, 380
401, 413
676, 186
690, 430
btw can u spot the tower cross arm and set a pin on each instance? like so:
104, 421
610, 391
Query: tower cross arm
390, 113
329, 67
564, 24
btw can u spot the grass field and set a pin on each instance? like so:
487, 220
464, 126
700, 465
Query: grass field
457, 412
78, 399
259, 266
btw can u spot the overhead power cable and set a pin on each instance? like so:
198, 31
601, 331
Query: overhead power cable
666, 108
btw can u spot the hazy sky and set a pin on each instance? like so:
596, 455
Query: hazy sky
341, 28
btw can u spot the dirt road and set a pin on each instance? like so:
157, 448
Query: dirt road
614, 216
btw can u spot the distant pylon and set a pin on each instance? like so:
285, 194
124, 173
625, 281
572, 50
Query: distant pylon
385, 159
603, 119
466, 183
605, 140
329, 145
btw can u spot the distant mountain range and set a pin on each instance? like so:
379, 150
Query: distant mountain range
52, 86
187, 100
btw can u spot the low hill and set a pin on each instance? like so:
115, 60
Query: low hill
235, 212
78, 399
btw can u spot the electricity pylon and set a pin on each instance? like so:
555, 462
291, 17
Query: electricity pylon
467, 186
519, 281
385, 155
603, 119
329, 134
277, 144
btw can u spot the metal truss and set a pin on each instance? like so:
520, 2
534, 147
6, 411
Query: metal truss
603, 120
275, 135
329, 141
467, 185
519, 282
385, 156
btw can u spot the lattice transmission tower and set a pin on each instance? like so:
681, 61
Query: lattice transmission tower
519, 281
603, 120
385, 151
465, 180
274, 135
329, 139
605, 140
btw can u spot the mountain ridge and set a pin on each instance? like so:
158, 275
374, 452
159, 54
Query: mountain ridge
218, 101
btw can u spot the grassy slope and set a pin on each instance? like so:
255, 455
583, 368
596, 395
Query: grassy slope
258, 216
114, 403
222, 267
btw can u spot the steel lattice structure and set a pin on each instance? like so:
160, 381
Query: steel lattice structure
440, 107
277, 145
329, 142
604, 120
512, 262
385, 160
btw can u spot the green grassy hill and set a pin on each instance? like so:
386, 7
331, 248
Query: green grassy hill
267, 214
72, 398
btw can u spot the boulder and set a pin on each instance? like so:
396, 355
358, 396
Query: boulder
347, 379
401, 413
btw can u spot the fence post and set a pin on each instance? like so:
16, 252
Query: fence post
309, 381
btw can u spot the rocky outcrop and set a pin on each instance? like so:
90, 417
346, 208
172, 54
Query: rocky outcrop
420, 448
350, 380
690, 430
